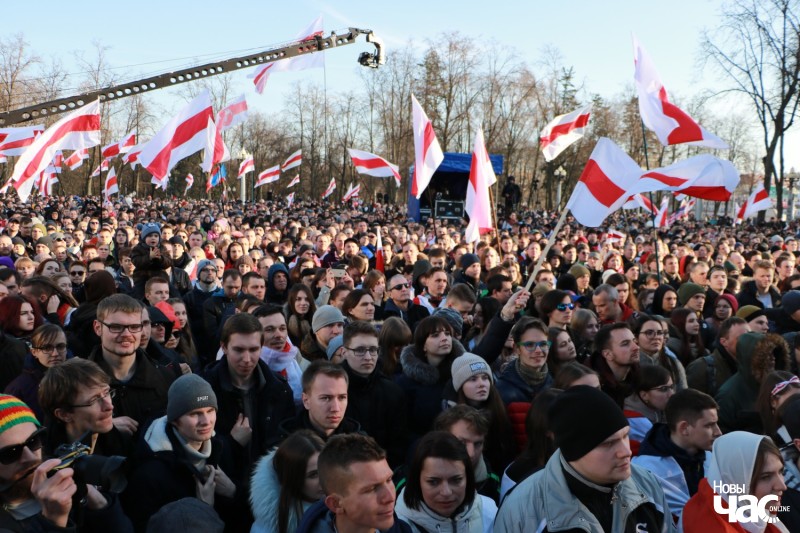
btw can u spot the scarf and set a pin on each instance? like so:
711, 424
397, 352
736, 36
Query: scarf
531, 376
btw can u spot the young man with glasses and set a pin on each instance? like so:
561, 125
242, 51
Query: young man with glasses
400, 304
373, 400
33, 499
144, 385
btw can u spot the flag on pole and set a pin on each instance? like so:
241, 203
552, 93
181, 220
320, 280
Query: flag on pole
478, 206
330, 189
58, 161
380, 260
14, 141
294, 160
292, 64
290, 200
111, 186
132, 157
614, 236
758, 200
427, 152
217, 177
683, 210
102, 167
189, 182
215, 151
295, 181
702, 176
270, 175
45, 182
638, 201
184, 135
352, 192
79, 129
662, 216
248, 165
234, 114
76, 159
563, 131
670, 123
122, 146
374, 165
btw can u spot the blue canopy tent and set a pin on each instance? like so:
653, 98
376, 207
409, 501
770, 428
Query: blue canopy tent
449, 183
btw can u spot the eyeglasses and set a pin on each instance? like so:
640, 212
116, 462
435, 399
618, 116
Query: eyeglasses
48, 348
564, 307
362, 351
531, 346
119, 328
108, 393
664, 388
780, 387
650, 333
11, 454
400, 286
78, 273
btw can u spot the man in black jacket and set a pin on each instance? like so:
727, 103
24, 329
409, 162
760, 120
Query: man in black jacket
203, 289
760, 291
221, 305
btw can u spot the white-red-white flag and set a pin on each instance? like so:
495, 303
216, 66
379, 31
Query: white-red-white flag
478, 205
380, 260
14, 141
132, 157
111, 186
294, 160
79, 129
122, 146
76, 159
160, 183
352, 192
102, 167
670, 123
248, 165
758, 200
604, 185
270, 175
640, 201
291, 64
702, 176
189, 182
290, 200
374, 165
428, 154
58, 161
216, 151
184, 135
45, 182
295, 181
563, 131
614, 236
662, 216
233, 114
330, 189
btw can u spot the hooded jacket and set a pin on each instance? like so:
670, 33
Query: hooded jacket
749, 295
318, 519
265, 491
732, 462
274, 296
147, 267
737, 397
707, 374
477, 518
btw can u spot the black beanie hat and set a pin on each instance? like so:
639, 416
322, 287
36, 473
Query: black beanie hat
581, 418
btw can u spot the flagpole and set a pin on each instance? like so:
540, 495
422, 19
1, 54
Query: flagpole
549, 245
653, 216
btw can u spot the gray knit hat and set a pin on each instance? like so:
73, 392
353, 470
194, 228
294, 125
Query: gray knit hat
453, 318
334, 344
325, 316
466, 366
187, 393
204, 263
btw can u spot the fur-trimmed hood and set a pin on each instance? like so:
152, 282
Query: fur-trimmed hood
418, 369
265, 491
753, 352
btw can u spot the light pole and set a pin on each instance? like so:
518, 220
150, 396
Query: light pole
560, 174
792, 177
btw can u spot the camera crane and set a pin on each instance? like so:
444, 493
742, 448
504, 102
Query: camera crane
160, 81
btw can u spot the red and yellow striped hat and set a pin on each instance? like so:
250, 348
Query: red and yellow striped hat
14, 411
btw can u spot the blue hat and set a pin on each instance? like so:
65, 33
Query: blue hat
147, 229
335, 343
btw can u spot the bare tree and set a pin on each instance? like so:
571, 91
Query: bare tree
16, 63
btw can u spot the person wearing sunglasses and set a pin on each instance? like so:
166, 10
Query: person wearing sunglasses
32, 498
400, 303
556, 306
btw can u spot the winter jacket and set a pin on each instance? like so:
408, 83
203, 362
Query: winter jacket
379, 405
737, 397
477, 518
265, 491
423, 385
412, 316
781, 322
274, 296
216, 310
707, 374
318, 519
147, 267
179, 282
80, 331
311, 349
144, 396
791, 496
518, 395
544, 503
618, 390
641, 419
678, 472
111, 518
194, 300
26, 386
749, 295
302, 421
13, 359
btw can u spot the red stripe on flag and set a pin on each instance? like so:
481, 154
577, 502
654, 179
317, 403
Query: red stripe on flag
718, 194
81, 123
672, 181
183, 133
563, 129
687, 130
602, 188
369, 163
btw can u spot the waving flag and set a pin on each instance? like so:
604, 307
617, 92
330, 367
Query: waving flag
380, 260
122, 146
427, 152
290, 200
292, 64
246, 166
14, 141
670, 123
292, 161
759, 200
76, 159
478, 206
189, 182
374, 165
330, 189
294, 181
184, 135
563, 131
352, 192
232, 115
79, 129
111, 186
683, 210
47, 179
638, 201
102, 167
270, 175
614, 236
132, 157
216, 178
662, 216
702, 176
215, 151
162, 183
58, 161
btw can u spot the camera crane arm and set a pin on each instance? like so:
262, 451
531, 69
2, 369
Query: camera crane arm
169, 79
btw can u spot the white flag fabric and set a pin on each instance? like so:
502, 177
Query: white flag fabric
562, 131
233, 114
374, 165
248, 165
185, 134
111, 186
79, 129
640, 201
330, 189
294, 181
702, 176
670, 123
758, 200
76, 159
662, 216
189, 182
428, 154
478, 205
294, 160
122, 146
14, 141
270, 175
312, 60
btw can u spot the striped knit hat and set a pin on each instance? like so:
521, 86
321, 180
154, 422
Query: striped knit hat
13, 411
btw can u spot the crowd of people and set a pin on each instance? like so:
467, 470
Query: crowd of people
219, 366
